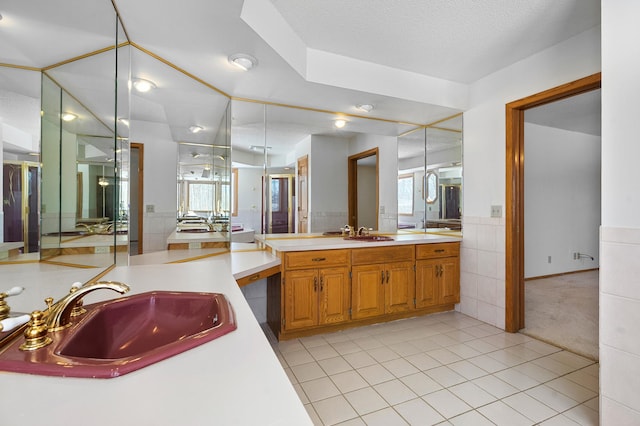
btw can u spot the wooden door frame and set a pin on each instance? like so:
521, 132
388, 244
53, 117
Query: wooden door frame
140, 148
352, 194
514, 214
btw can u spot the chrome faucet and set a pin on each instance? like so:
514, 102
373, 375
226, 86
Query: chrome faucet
59, 313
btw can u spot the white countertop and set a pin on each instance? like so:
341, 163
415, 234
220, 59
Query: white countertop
197, 237
304, 242
233, 380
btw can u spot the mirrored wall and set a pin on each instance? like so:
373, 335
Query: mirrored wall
430, 178
304, 159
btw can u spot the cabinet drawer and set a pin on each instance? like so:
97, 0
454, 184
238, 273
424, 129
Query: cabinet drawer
371, 255
429, 251
316, 258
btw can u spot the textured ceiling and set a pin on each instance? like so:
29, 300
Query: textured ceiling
459, 40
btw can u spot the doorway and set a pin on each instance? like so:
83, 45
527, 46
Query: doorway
514, 215
21, 201
136, 198
303, 194
363, 189
280, 195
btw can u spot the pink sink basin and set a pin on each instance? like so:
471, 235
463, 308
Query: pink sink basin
369, 238
123, 335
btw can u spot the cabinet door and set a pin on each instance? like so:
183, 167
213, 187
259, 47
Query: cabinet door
300, 299
427, 283
399, 286
367, 291
334, 295
450, 280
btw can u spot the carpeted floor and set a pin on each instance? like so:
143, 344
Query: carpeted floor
563, 311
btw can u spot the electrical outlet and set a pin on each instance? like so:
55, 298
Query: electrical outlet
576, 256
101, 249
382, 209
548, 259
496, 211
150, 208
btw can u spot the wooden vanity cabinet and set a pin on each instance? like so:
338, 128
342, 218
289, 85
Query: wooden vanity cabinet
315, 292
383, 281
437, 274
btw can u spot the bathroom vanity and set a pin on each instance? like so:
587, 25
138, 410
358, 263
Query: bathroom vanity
213, 383
329, 283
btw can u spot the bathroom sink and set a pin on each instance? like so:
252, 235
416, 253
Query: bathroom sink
369, 238
123, 335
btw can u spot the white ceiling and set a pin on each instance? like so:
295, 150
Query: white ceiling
412, 59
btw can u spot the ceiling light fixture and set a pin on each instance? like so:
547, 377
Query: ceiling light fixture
124, 121
243, 61
340, 123
259, 148
196, 129
365, 107
68, 116
142, 85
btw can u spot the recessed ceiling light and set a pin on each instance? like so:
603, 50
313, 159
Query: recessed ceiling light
196, 129
243, 61
142, 85
365, 107
340, 123
259, 148
68, 116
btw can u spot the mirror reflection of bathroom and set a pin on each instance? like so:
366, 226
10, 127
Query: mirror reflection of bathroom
430, 178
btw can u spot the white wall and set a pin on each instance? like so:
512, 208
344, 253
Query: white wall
367, 207
160, 190
620, 232
249, 198
327, 181
483, 245
562, 200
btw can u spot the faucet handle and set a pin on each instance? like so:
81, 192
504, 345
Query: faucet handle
4, 307
9, 324
36, 333
13, 291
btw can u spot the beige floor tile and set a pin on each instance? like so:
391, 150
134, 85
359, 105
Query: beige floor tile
517, 379
472, 394
375, 374
334, 410
322, 352
583, 415
420, 383
571, 389
552, 398
487, 363
309, 371
503, 415
471, 418
400, 367
495, 386
446, 403
319, 389
335, 365
467, 370
385, 417
418, 412
359, 359
445, 376
423, 361
383, 354
530, 407
348, 381
395, 392
366, 400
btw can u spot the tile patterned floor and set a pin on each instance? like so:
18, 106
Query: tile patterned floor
444, 369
